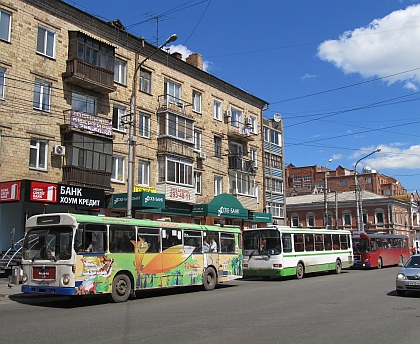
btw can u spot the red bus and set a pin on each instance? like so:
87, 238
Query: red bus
378, 250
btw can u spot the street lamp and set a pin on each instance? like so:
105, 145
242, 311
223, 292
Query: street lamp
131, 138
325, 196
358, 195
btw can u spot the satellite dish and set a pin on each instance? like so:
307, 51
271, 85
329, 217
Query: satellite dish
277, 117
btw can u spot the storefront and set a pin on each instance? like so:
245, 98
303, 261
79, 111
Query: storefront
24, 198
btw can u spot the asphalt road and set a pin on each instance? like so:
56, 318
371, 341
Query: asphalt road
353, 307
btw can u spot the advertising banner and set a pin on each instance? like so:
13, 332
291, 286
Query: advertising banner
10, 191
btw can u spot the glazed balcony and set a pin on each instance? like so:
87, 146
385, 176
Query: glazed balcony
240, 164
85, 75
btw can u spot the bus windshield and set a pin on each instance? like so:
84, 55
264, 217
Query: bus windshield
261, 242
360, 245
48, 244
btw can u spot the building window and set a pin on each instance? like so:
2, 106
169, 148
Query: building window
243, 183
295, 221
176, 126
310, 220
120, 71
46, 42
5, 25
197, 140
117, 169
82, 103
275, 209
176, 171
144, 125
145, 81
368, 180
276, 161
343, 182
307, 178
198, 183
2, 83
217, 109
42, 95
38, 154
95, 53
118, 118
173, 91
347, 219
217, 146
236, 117
252, 122
218, 185
196, 100
297, 179
143, 173
277, 185
386, 192
379, 217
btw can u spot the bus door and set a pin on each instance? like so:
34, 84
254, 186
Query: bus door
171, 258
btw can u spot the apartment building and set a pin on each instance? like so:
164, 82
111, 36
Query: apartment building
274, 169
309, 179
67, 84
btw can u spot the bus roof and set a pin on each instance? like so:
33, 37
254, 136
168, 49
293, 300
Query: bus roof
302, 230
379, 235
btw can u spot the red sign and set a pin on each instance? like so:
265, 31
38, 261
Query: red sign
10, 191
43, 192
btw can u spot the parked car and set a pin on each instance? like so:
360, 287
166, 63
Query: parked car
408, 278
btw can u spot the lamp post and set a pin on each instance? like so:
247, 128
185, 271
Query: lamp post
325, 196
131, 138
359, 215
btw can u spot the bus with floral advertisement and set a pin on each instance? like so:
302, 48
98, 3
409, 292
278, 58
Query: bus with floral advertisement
283, 251
72, 254
379, 249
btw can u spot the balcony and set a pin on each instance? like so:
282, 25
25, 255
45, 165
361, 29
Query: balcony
240, 164
174, 105
238, 130
78, 176
90, 77
170, 145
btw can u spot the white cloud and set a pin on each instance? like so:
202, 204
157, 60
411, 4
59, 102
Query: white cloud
179, 48
337, 157
390, 157
386, 46
309, 76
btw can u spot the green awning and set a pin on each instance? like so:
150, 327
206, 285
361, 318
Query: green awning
223, 205
140, 200
256, 216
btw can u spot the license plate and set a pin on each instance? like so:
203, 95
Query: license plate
414, 283
259, 271
43, 272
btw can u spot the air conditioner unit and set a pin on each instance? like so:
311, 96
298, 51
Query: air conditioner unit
228, 113
203, 155
59, 150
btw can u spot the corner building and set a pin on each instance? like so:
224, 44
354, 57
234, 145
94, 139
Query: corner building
66, 79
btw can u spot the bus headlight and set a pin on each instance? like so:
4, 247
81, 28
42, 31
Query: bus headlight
24, 278
66, 279
401, 276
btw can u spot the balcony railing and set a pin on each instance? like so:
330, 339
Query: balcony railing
90, 77
239, 130
173, 104
75, 175
167, 144
240, 164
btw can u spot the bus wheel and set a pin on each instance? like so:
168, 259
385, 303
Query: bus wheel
337, 266
400, 292
209, 279
379, 263
121, 288
300, 271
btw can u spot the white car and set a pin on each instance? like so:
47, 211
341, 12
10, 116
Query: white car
408, 278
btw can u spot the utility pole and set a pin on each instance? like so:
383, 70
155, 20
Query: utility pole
325, 196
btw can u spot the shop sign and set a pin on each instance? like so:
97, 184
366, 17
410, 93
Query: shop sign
142, 188
43, 192
10, 191
88, 197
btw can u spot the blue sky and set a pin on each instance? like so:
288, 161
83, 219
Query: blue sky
344, 75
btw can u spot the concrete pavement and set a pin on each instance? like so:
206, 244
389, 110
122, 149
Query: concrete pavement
8, 289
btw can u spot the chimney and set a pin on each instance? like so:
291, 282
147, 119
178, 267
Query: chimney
196, 60
177, 55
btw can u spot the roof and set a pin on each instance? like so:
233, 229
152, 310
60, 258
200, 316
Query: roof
341, 197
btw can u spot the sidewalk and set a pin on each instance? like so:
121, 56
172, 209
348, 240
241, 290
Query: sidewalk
8, 289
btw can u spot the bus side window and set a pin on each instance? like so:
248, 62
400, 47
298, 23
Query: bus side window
298, 242
287, 242
343, 242
327, 242
319, 242
309, 242
336, 241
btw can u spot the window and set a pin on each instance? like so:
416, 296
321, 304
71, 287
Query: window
144, 125
379, 217
275, 209
197, 140
143, 173
218, 185
5, 25
295, 221
253, 124
276, 162
38, 154
173, 91
118, 118
82, 103
307, 178
254, 156
298, 242
310, 220
94, 52
42, 95
243, 183
347, 219
46, 42
368, 180
236, 118
176, 171
297, 179
275, 137
196, 100
120, 71
277, 185
217, 146
117, 169
176, 126
198, 182
145, 81
2, 83
217, 109
343, 182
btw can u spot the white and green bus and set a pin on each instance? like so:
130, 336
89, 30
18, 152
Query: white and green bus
70, 254
284, 251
